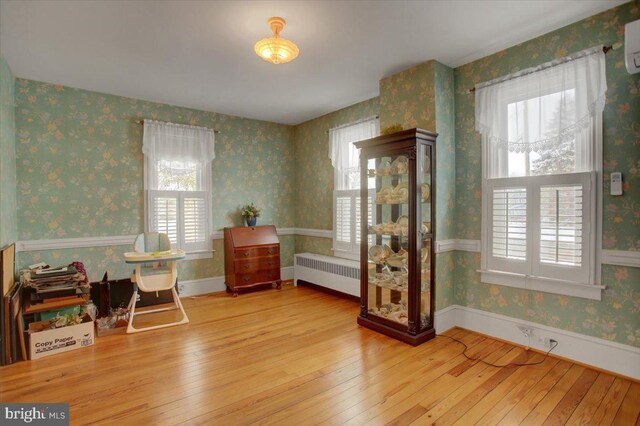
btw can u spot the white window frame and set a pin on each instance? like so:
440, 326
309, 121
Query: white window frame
194, 250
530, 274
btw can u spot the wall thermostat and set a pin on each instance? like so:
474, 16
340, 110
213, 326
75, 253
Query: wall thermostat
616, 183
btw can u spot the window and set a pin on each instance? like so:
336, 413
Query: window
177, 182
345, 159
542, 155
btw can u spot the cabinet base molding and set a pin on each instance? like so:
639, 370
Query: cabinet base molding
411, 339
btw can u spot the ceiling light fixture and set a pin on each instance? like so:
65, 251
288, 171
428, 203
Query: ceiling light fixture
275, 49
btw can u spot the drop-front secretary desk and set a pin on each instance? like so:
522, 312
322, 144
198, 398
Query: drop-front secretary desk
251, 257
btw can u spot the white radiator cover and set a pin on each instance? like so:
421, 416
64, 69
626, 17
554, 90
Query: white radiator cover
337, 274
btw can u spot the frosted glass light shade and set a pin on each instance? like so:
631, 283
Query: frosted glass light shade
275, 49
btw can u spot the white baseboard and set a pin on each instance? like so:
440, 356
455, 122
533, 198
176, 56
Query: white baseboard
445, 319
214, 284
599, 353
202, 286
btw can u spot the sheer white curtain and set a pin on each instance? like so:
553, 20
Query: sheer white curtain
543, 111
344, 156
177, 142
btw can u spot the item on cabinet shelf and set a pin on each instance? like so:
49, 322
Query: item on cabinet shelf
425, 228
396, 280
251, 258
400, 165
397, 312
396, 195
250, 213
400, 228
399, 259
426, 191
403, 276
379, 254
390, 228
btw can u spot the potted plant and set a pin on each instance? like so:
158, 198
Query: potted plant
250, 213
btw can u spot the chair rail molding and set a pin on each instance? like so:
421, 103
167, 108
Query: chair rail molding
628, 258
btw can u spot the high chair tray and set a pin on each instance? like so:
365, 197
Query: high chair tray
158, 256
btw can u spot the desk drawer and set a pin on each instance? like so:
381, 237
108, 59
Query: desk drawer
257, 277
257, 252
255, 264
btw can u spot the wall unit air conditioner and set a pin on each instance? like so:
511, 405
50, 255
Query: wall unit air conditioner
632, 46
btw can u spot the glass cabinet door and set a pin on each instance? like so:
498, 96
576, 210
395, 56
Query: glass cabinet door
425, 236
388, 239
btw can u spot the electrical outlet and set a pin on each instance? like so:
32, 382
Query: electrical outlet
525, 330
180, 288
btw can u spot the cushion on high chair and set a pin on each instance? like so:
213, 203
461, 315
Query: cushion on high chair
150, 242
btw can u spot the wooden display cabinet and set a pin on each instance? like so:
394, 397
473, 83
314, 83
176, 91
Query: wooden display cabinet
397, 268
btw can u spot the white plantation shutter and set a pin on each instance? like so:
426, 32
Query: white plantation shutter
510, 223
344, 207
346, 228
541, 226
194, 220
565, 204
561, 225
507, 239
164, 213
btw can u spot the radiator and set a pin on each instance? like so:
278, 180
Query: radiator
331, 272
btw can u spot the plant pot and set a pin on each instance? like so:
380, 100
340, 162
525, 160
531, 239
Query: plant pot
251, 221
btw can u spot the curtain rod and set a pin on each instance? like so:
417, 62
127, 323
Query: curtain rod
362, 120
605, 49
214, 130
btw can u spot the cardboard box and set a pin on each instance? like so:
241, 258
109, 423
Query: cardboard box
49, 342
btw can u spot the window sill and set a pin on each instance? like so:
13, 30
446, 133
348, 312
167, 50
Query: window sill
201, 254
547, 285
346, 254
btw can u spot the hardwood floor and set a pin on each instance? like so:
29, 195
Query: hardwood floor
296, 356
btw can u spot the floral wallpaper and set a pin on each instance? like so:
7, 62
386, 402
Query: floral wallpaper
423, 96
407, 98
617, 316
8, 226
314, 172
318, 245
80, 171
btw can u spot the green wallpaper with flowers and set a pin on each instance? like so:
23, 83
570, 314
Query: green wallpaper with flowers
8, 226
80, 173
407, 98
423, 96
617, 316
314, 172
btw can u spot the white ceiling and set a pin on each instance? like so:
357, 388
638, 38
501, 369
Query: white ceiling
200, 54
